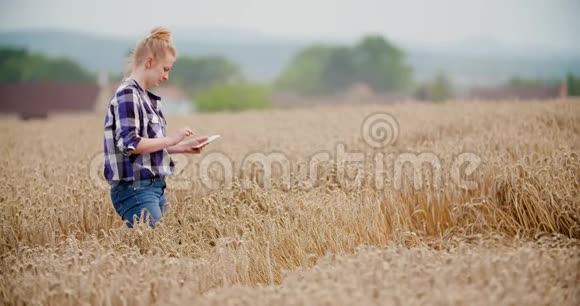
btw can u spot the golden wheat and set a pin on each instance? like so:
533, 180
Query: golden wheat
346, 237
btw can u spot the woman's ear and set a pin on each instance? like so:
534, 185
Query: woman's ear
148, 62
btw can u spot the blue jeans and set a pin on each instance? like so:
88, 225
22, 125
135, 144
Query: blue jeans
140, 200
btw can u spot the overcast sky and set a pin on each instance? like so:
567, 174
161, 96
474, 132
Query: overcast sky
546, 23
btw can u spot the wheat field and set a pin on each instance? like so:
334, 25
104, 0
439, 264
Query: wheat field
490, 215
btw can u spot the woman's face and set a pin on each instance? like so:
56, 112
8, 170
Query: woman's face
157, 69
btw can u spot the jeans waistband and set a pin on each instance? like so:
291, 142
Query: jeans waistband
142, 182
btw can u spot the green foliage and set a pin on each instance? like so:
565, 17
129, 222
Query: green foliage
573, 85
441, 88
19, 66
11, 64
438, 90
194, 74
233, 97
382, 65
305, 72
340, 70
326, 69
520, 82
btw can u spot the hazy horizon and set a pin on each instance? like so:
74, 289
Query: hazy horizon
543, 24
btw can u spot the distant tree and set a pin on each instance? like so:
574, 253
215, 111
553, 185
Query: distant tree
17, 65
194, 74
381, 64
339, 71
305, 72
11, 64
518, 81
7, 54
61, 69
441, 89
573, 85
233, 97
327, 69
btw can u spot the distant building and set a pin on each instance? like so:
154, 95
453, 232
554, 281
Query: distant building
103, 79
38, 99
518, 93
174, 100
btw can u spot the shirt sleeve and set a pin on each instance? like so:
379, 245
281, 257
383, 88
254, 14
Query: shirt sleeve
127, 120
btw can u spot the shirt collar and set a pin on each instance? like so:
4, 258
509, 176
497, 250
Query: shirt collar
151, 95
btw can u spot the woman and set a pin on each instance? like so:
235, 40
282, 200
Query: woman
137, 148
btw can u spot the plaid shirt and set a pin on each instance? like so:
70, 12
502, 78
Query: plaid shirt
130, 117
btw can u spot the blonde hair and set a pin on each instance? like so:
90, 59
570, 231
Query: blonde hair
156, 44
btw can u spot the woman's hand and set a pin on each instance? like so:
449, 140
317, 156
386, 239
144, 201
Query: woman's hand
180, 135
186, 146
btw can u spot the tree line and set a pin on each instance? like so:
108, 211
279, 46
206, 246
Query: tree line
216, 83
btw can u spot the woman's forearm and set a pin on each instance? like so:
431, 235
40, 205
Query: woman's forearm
174, 149
150, 145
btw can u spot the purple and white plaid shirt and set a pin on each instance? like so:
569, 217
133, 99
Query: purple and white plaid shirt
134, 114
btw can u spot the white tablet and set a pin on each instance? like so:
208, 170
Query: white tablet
209, 140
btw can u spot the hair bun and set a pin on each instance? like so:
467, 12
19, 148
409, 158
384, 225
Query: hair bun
161, 33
